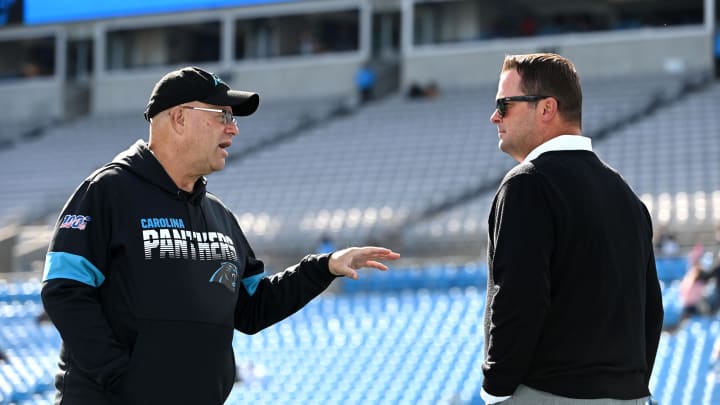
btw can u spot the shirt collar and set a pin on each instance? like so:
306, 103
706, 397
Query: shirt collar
562, 142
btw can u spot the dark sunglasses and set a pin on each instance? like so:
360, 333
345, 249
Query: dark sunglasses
501, 104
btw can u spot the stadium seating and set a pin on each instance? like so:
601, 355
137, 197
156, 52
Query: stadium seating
412, 335
44, 170
417, 175
672, 158
31, 348
392, 162
385, 171
425, 170
668, 157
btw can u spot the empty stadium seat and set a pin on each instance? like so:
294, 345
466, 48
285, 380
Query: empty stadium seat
417, 338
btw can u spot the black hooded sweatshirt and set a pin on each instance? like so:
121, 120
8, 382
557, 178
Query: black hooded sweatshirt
146, 284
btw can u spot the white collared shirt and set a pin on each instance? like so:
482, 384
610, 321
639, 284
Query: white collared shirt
491, 399
562, 142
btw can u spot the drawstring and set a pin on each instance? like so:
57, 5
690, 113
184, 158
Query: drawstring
196, 200
187, 209
202, 212
182, 196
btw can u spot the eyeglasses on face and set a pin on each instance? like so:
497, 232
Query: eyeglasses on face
227, 116
501, 104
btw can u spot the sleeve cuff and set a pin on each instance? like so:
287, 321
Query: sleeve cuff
492, 399
320, 263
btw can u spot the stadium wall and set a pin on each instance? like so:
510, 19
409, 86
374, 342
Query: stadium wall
604, 54
315, 77
473, 63
22, 102
127, 90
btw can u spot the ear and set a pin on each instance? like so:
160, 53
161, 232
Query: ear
177, 119
548, 108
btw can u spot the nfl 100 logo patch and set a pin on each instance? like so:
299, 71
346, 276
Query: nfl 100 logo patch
78, 222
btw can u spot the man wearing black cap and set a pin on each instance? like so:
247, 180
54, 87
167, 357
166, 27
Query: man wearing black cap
148, 275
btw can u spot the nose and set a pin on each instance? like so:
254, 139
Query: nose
232, 128
495, 117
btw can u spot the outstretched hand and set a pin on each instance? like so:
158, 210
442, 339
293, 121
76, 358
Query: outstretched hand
345, 262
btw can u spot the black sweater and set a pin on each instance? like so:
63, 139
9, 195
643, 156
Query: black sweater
146, 284
573, 301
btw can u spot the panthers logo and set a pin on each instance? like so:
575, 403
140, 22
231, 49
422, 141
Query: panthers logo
226, 275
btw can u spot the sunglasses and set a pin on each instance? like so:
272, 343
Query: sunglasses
227, 116
501, 104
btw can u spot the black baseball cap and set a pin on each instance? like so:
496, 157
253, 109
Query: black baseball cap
194, 84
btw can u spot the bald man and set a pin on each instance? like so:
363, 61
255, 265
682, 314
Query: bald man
148, 275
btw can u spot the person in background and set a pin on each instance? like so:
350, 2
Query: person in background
326, 245
365, 81
148, 274
668, 245
712, 275
573, 312
692, 293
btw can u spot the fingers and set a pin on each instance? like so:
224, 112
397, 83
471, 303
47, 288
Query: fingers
352, 274
375, 265
347, 261
379, 252
346, 271
365, 259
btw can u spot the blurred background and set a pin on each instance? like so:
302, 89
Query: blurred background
373, 128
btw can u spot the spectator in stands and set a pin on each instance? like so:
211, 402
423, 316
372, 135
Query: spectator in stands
574, 310
148, 275
418, 91
30, 69
432, 90
326, 245
365, 81
692, 293
696, 253
712, 276
415, 91
668, 245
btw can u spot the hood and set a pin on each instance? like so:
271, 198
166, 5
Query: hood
139, 160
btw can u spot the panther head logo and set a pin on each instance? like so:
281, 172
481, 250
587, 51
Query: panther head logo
226, 275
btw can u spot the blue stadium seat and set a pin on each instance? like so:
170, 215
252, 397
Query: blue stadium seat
372, 346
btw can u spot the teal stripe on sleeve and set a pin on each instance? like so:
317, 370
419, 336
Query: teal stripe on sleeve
251, 283
73, 267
